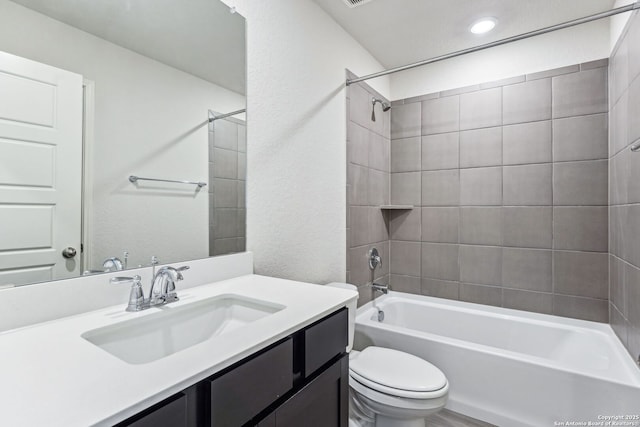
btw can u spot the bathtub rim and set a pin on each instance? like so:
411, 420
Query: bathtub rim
633, 380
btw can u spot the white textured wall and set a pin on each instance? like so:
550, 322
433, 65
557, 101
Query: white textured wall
575, 45
150, 121
296, 132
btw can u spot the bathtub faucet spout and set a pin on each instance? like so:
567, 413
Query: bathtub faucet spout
380, 288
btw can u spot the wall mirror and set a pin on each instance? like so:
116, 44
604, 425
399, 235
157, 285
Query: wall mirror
93, 93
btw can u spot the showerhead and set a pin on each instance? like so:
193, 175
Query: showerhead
385, 107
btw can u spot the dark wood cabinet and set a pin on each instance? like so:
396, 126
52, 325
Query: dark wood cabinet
300, 380
323, 402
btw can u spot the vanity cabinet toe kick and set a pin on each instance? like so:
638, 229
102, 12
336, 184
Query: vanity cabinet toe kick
302, 379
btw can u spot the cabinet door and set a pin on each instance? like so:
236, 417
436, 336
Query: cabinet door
324, 402
242, 393
168, 413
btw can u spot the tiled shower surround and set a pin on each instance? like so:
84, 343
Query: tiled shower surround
508, 181
368, 176
227, 179
624, 190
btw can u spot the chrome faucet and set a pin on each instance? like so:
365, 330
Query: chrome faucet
163, 288
377, 287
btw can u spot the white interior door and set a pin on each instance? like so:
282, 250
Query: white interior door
40, 170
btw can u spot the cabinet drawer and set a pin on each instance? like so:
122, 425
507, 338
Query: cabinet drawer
169, 413
243, 392
325, 340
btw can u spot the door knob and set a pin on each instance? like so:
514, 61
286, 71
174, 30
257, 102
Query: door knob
69, 252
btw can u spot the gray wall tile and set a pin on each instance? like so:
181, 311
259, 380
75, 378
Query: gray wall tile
225, 135
226, 225
481, 187
509, 208
581, 138
405, 188
596, 310
554, 72
242, 138
359, 226
225, 193
580, 183
358, 145
481, 226
581, 228
405, 258
405, 225
225, 163
487, 295
378, 188
440, 225
405, 155
440, 288
632, 294
379, 152
359, 272
633, 63
527, 102
528, 185
481, 147
580, 93
441, 115
440, 151
527, 227
358, 177
618, 324
440, 188
617, 279
633, 111
481, 264
598, 63
619, 68
581, 274
527, 269
378, 228
405, 120
440, 261
528, 301
619, 129
409, 284
481, 109
527, 143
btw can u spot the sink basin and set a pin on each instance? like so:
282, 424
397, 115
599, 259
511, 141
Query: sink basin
174, 329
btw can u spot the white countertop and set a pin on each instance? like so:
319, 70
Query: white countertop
51, 376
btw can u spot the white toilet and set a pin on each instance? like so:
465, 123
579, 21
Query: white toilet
390, 388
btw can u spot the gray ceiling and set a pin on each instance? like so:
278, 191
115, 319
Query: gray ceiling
200, 37
399, 32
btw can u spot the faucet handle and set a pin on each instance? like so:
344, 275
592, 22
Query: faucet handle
136, 296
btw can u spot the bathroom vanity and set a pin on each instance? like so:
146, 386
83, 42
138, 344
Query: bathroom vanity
276, 354
303, 376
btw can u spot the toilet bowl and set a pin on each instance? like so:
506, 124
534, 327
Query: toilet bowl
390, 388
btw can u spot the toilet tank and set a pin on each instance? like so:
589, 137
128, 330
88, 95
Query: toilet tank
352, 306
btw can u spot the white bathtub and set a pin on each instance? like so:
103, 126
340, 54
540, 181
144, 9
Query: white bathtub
508, 367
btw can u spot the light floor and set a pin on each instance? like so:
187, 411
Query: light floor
446, 418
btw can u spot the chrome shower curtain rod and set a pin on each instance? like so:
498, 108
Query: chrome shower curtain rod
213, 117
568, 24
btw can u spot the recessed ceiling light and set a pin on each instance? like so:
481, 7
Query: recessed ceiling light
483, 25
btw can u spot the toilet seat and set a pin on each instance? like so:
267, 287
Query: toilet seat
396, 373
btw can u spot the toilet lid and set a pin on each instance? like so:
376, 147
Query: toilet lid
398, 370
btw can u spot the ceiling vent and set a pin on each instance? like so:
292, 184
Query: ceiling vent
355, 3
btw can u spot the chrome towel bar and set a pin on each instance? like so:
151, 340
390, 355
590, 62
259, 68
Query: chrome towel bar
135, 179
